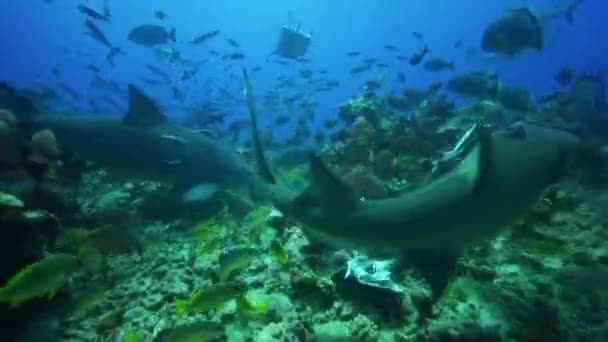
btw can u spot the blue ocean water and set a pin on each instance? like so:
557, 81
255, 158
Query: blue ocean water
41, 34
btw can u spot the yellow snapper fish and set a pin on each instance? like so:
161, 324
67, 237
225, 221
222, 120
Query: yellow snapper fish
200, 331
233, 260
88, 301
247, 309
132, 336
44, 277
212, 297
279, 253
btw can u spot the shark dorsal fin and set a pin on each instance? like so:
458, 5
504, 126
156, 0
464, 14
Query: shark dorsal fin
143, 111
484, 156
326, 189
490, 148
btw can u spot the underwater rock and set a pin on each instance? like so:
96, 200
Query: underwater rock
331, 331
360, 328
354, 153
110, 239
370, 107
482, 273
153, 302
362, 131
111, 319
364, 328
319, 292
43, 144
457, 331
409, 143
384, 164
8, 117
276, 219
18, 104
112, 204
55, 200
384, 303
437, 106
140, 317
283, 331
8, 143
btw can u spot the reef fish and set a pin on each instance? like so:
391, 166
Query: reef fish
519, 29
204, 37
418, 56
212, 297
93, 13
478, 84
514, 31
199, 331
233, 260
438, 64
41, 278
151, 35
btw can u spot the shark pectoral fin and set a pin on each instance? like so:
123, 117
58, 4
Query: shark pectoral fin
327, 188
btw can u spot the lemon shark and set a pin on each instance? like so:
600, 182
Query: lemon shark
496, 182
144, 144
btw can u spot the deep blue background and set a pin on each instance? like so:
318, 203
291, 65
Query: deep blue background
32, 32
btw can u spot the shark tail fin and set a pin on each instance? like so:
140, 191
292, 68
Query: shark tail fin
260, 157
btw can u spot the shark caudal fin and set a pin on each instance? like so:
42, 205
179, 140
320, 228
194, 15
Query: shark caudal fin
260, 158
143, 111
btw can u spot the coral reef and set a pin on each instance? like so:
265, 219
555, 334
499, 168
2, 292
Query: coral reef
516, 287
144, 251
